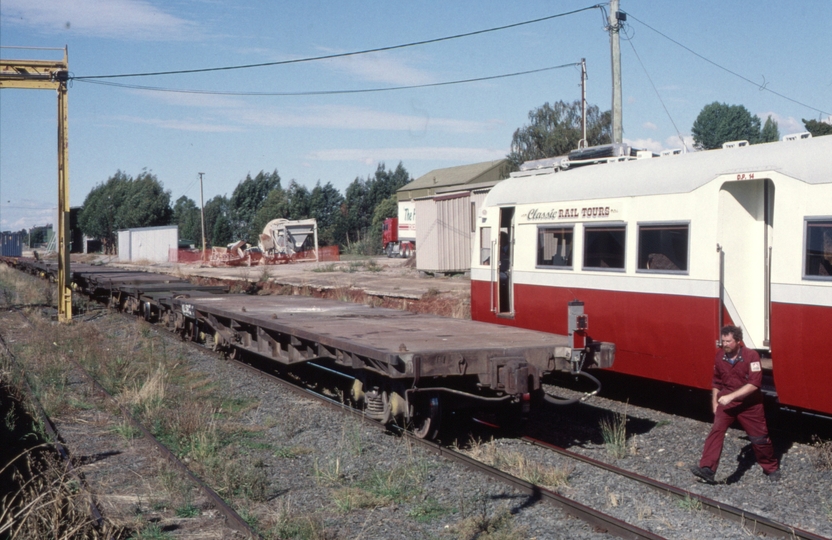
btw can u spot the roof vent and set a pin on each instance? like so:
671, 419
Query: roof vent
797, 136
671, 152
734, 144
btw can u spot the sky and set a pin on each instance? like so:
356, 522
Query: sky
773, 57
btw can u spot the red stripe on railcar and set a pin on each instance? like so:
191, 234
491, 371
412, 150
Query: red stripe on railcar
801, 355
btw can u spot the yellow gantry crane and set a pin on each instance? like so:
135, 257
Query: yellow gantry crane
51, 75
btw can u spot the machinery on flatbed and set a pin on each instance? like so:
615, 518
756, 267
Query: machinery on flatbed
397, 366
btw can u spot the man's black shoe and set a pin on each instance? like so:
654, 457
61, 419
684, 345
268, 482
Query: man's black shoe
774, 476
705, 473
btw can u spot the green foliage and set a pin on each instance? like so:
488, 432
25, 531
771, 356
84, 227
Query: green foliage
770, 132
187, 216
123, 202
554, 130
818, 128
325, 206
718, 123
216, 210
360, 201
247, 198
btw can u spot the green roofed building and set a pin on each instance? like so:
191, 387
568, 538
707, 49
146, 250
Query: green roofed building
476, 173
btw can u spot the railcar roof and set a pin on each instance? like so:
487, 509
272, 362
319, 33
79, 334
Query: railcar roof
809, 160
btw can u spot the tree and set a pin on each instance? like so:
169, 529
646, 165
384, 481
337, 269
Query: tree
325, 206
770, 132
818, 128
216, 209
554, 130
124, 203
718, 123
247, 198
188, 218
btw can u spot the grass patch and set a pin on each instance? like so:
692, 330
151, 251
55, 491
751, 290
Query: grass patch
428, 510
690, 504
614, 434
291, 452
187, 510
331, 267
500, 526
518, 465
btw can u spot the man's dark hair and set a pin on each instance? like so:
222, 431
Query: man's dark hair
735, 331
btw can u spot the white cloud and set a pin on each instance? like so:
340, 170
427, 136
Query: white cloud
348, 117
669, 143
380, 67
649, 125
123, 19
374, 155
785, 125
180, 125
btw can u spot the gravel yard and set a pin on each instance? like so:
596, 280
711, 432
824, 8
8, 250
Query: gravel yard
296, 469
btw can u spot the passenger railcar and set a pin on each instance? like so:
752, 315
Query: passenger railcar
665, 250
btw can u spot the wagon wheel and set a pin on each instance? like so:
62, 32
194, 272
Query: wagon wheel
426, 419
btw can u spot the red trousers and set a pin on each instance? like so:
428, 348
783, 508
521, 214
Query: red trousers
753, 421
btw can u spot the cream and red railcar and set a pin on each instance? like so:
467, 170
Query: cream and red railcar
665, 250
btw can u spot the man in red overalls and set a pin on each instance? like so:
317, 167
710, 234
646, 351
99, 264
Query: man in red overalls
736, 395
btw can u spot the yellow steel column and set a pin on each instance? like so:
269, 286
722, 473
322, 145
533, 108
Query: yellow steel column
64, 275
51, 75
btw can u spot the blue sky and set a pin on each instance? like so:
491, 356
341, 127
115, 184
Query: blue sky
782, 47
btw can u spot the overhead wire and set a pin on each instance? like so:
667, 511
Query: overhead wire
329, 92
656, 90
734, 73
339, 55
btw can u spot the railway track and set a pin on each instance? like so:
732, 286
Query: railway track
599, 520
231, 517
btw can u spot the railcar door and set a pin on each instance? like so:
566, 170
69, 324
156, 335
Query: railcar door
505, 249
744, 240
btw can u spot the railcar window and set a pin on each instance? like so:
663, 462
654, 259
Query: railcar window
554, 247
663, 247
819, 249
604, 247
485, 245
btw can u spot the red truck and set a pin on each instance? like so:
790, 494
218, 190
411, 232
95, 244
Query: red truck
393, 246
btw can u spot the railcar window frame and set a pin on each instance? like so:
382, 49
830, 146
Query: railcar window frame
815, 260
618, 227
569, 229
661, 225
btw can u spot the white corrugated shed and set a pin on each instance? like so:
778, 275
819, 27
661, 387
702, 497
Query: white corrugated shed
147, 244
445, 228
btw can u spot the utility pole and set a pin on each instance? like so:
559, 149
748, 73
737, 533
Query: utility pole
583, 143
202, 216
615, 51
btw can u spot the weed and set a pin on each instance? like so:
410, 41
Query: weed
126, 430
500, 526
518, 465
352, 437
288, 524
662, 423
187, 510
372, 266
329, 473
614, 433
691, 504
428, 510
265, 275
152, 531
331, 267
823, 453
348, 499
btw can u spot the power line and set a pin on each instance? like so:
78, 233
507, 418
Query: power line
746, 79
340, 55
329, 92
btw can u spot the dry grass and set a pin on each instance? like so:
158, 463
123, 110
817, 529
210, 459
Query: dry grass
49, 503
520, 466
822, 453
482, 526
